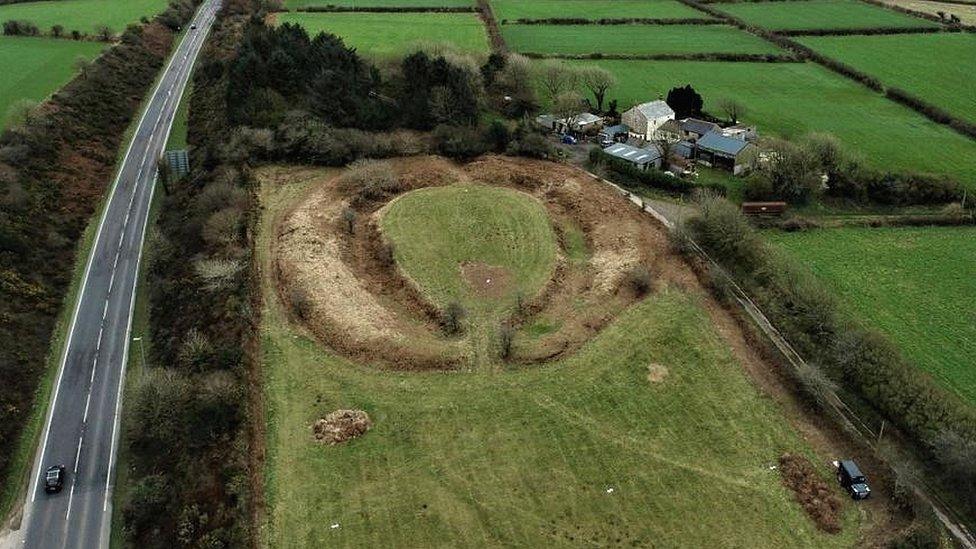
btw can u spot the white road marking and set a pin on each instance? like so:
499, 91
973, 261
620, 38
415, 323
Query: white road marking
78, 453
71, 497
111, 280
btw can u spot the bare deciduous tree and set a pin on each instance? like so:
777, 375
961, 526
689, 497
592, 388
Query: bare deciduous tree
732, 109
598, 81
557, 79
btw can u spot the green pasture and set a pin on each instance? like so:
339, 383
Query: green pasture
820, 14
34, 68
82, 15
591, 9
391, 34
930, 66
299, 4
917, 285
633, 39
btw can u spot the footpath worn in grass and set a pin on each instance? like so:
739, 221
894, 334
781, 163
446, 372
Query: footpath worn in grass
791, 99
297, 4
436, 230
83, 15
391, 34
820, 14
633, 39
930, 66
917, 285
585, 451
591, 9
33, 68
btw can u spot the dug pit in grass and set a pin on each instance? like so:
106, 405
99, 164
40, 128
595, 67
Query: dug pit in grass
812, 492
341, 425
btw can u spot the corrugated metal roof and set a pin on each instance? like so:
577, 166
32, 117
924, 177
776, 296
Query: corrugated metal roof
633, 154
586, 118
616, 130
716, 142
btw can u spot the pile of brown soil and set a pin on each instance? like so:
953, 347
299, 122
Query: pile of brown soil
341, 425
812, 492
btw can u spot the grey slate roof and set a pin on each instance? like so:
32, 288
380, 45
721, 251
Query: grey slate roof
716, 142
655, 109
584, 118
633, 154
700, 127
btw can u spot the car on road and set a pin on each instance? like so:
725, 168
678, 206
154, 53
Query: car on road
54, 479
193, 27
853, 480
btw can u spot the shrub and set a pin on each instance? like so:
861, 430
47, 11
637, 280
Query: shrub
349, 220
371, 179
452, 319
506, 341
640, 280
20, 28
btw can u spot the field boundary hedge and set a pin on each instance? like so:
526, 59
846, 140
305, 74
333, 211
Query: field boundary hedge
615, 21
725, 57
924, 15
387, 9
495, 37
874, 31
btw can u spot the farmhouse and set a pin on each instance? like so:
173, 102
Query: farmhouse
640, 158
645, 118
731, 154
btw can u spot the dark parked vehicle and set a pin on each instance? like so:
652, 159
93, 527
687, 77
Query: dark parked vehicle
853, 480
54, 479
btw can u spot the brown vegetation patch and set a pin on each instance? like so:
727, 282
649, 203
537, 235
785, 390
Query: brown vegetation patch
487, 280
336, 271
812, 492
656, 373
341, 425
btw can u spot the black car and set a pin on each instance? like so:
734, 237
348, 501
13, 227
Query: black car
851, 478
54, 479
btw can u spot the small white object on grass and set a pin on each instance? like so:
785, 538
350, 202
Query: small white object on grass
610, 490
334, 526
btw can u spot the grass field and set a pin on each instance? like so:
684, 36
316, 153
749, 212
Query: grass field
33, 68
297, 4
917, 285
582, 452
791, 99
820, 14
591, 9
926, 65
438, 228
82, 15
633, 39
388, 34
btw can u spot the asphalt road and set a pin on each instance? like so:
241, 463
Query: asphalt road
82, 427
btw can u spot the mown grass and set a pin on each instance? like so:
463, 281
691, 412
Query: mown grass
591, 9
297, 4
33, 68
791, 99
177, 135
585, 451
917, 285
820, 14
633, 39
930, 66
436, 230
82, 15
391, 34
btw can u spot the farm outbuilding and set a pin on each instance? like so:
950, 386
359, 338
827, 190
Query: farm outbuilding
646, 118
640, 158
611, 134
731, 154
693, 129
